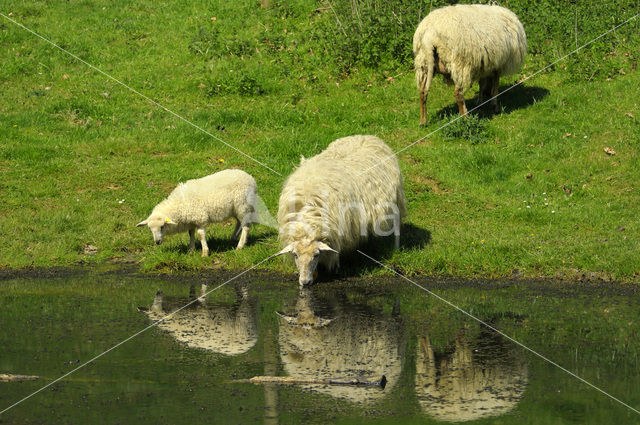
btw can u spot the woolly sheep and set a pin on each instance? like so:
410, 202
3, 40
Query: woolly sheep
194, 204
468, 43
225, 329
366, 344
480, 378
334, 200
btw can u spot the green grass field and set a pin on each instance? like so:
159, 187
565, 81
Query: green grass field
530, 192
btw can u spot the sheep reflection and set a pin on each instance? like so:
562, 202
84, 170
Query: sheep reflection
351, 344
223, 329
483, 377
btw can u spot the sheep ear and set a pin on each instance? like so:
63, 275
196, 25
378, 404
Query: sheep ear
324, 247
142, 223
288, 319
169, 221
286, 250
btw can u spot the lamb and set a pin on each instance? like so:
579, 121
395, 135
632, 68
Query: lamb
225, 329
468, 43
194, 204
334, 200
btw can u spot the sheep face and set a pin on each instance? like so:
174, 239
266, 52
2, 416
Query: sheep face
159, 227
307, 253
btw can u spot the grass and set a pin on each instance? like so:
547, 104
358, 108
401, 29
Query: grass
529, 192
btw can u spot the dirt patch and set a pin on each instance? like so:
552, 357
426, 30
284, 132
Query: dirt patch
42, 273
434, 185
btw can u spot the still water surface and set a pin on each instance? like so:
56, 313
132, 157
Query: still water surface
440, 365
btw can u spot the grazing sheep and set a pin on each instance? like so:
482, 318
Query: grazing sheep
467, 43
194, 204
334, 200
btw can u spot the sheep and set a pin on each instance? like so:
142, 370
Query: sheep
468, 43
361, 345
224, 329
334, 200
194, 204
479, 378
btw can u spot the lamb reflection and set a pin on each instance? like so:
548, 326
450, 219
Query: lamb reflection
482, 377
224, 329
351, 344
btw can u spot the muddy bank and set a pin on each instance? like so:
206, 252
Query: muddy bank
549, 286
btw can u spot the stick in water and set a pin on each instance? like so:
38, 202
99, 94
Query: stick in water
377, 381
7, 377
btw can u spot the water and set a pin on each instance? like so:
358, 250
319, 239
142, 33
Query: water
441, 365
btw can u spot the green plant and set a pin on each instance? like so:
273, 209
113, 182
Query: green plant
470, 128
205, 42
236, 83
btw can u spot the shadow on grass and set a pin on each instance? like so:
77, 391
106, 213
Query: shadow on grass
413, 237
520, 97
380, 249
517, 98
218, 245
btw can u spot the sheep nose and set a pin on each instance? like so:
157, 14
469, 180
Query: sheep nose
305, 282
158, 242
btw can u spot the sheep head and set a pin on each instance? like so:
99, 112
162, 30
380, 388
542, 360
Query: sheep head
306, 253
158, 225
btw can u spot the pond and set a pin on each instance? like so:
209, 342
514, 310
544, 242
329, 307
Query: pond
440, 364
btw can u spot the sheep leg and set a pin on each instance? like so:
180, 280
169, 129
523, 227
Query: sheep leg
192, 238
423, 108
202, 235
203, 293
243, 236
495, 86
234, 235
424, 91
483, 86
459, 95
396, 230
485, 89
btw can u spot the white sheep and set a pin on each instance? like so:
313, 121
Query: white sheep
336, 199
194, 204
477, 379
225, 329
365, 345
468, 43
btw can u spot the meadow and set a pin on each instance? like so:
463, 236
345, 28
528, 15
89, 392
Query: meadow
547, 188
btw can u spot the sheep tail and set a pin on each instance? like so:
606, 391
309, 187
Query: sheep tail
429, 63
424, 62
427, 84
